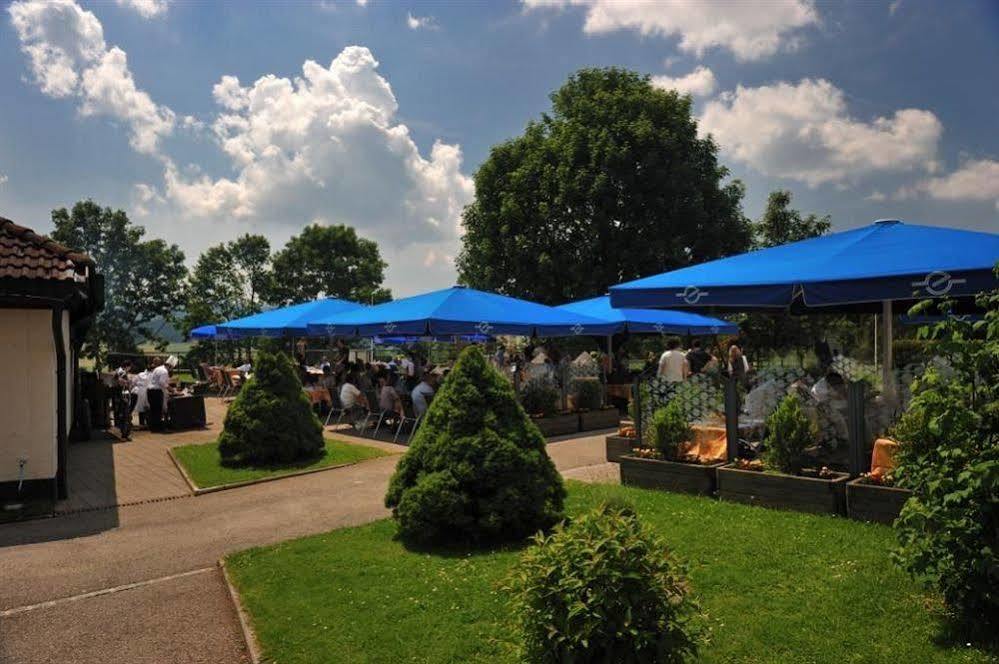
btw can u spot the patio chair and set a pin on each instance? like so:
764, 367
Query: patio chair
410, 416
372, 411
335, 409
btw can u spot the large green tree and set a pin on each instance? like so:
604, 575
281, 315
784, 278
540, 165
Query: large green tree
230, 280
143, 278
328, 261
781, 223
613, 184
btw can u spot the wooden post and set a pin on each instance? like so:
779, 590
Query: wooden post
856, 427
887, 375
636, 398
732, 418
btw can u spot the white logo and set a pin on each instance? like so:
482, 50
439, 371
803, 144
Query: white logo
331, 330
484, 327
660, 328
714, 329
938, 283
577, 329
390, 327
692, 294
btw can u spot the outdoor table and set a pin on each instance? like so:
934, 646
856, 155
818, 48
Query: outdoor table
186, 412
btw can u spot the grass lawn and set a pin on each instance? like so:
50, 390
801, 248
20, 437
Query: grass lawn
204, 465
776, 587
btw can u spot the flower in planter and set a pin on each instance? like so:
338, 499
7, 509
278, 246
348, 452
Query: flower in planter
789, 433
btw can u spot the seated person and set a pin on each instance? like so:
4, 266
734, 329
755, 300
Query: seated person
388, 398
423, 393
352, 400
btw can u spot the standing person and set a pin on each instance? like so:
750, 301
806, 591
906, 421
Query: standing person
158, 392
738, 365
697, 357
672, 363
140, 393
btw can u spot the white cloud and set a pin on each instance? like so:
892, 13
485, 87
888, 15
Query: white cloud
146, 8
699, 83
3, 178
805, 132
751, 30
420, 22
68, 57
876, 196
894, 6
362, 3
975, 180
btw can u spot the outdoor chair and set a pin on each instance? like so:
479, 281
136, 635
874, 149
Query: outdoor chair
408, 416
336, 408
372, 411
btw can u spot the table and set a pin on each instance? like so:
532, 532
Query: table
187, 412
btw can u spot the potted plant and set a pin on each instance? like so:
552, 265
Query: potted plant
669, 465
781, 480
588, 397
874, 497
540, 399
621, 443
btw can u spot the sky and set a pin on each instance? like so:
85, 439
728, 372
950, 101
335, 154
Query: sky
208, 120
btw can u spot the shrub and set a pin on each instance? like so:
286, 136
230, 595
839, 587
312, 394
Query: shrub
477, 471
539, 397
670, 430
588, 394
789, 432
271, 420
603, 589
948, 531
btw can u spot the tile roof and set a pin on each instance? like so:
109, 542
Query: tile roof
25, 254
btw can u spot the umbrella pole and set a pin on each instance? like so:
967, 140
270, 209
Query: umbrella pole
887, 375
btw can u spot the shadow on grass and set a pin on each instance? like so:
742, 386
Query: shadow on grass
297, 464
966, 633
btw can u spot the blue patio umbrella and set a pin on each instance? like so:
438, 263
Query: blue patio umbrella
286, 321
884, 267
204, 332
456, 311
650, 320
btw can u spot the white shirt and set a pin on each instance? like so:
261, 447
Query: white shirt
408, 368
419, 396
349, 395
159, 379
671, 365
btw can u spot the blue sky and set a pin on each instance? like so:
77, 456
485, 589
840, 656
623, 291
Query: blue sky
864, 110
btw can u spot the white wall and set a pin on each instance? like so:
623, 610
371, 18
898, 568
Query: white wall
28, 398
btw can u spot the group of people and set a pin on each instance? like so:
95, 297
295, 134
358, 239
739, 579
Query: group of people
148, 393
676, 365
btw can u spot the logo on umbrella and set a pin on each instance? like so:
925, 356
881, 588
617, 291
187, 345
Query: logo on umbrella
660, 328
577, 329
331, 330
484, 327
390, 327
692, 294
938, 283
714, 329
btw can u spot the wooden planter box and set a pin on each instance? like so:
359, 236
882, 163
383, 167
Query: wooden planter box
873, 502
670, 475
618, 446
605, 418
558, 425
790, 492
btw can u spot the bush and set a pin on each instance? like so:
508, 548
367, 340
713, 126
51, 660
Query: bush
789, 433
477, 471
588, 394
271, 421
948, 531
670, 429
603, 589
539, 398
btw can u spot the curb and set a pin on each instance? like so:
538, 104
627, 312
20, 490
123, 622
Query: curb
249, 637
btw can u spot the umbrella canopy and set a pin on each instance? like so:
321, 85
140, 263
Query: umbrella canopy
286, 321
854, 270
399, 341
455, 311
650, 320
204, 332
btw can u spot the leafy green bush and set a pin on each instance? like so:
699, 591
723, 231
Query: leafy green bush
539, 397
477, 471
948, 531
789, 432
588, 394
603, 589
271, 421
670, 429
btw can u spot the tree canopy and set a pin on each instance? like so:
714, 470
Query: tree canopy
143, 278
328, 261
613, 184
230, 280
781, 223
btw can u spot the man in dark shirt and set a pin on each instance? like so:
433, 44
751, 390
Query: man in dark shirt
697, 357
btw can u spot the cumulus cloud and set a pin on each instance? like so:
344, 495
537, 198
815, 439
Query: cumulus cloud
750, 30
975, 180
3, 178
420, 22
699, 83
68, 58
146, 8
804, 132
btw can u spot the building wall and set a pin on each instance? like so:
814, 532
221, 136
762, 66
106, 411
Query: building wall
28, 398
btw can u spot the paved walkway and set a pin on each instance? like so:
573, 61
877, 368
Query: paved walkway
76, 554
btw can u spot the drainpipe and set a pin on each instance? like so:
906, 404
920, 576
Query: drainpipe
60, 350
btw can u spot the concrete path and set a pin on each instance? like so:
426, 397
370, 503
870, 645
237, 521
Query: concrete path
74, 554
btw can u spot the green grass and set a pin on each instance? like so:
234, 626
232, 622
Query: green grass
776, 587
204, 465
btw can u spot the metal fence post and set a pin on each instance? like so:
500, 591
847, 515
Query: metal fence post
732, 418
636, 397
856, 427
563, 379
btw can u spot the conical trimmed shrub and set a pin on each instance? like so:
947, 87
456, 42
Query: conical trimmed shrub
271, 421
477, 471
